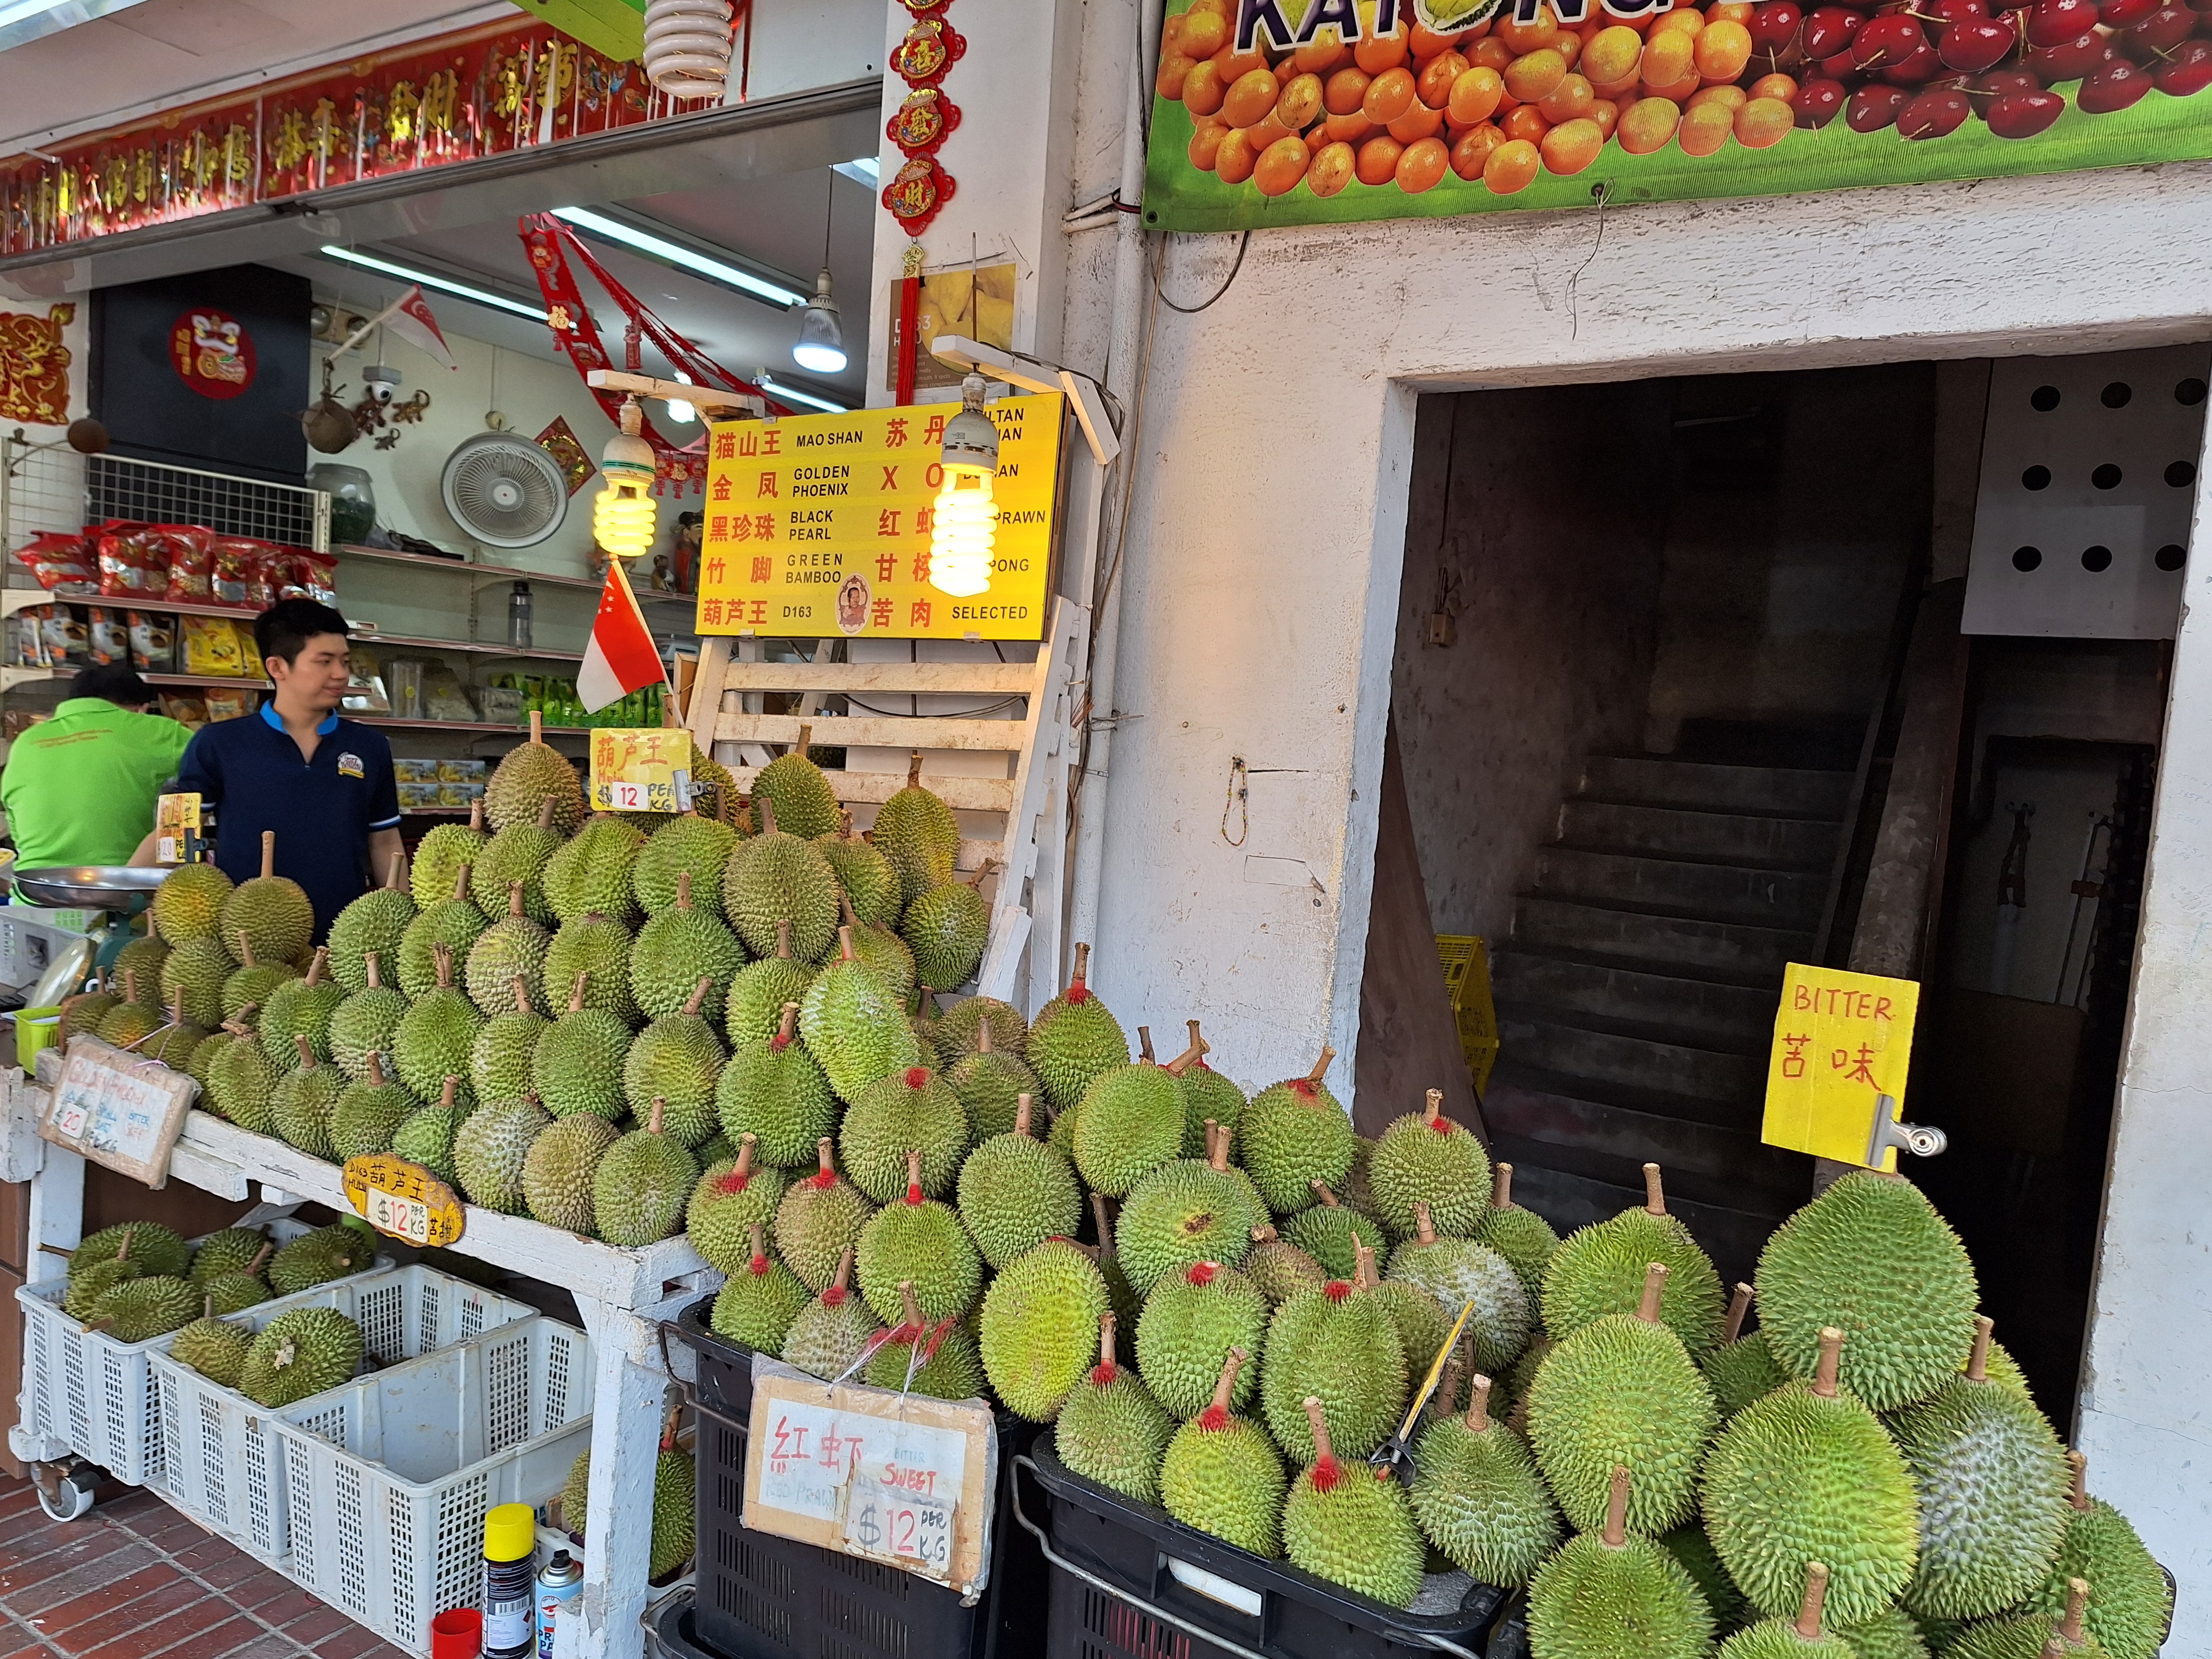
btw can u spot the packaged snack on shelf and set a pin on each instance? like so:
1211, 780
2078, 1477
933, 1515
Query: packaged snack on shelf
66, 637
460, 771
27, 638
233, 561
188, 551
62, 563
502, 705
210, 646
17, 721
408, 768
231, 705
442, 696
458, 795
301, 574
107, 633
134, 564
152, 641
249, 654
418, 794
184, 710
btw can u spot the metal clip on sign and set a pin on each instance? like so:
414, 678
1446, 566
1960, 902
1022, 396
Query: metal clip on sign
1921, 1140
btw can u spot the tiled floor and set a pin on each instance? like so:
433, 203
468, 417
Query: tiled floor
135, 1578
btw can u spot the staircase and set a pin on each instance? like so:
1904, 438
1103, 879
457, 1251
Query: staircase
1635, 998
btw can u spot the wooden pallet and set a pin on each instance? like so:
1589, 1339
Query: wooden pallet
1024, 811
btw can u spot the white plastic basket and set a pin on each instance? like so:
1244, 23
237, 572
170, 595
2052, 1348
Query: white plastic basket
221, 1464
92, 1393
390, 1477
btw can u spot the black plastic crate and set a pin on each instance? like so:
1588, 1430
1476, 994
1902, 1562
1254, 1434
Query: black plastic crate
762, 1597
1116, 1593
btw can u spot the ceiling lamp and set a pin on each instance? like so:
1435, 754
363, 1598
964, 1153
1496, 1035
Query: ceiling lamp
964, 520
687, 46
821, 347
622, 515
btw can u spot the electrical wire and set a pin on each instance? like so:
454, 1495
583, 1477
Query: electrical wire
1244, 241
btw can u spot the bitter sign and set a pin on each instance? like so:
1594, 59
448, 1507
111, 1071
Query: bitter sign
1843, 1047
819, 524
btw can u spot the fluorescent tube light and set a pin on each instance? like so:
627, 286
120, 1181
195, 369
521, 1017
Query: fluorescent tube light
430, 279
785, 392
862, 170
682, 258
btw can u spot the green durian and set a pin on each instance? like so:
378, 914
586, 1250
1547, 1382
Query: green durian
85, 1288
990, 1081
500, 1060
1422, 1324
231, 1250
2131, 1599
2033, 1636
959, 1031
433, 1037
1040, 1322
831, 1333
188, 904
556, 1170
947, 927
675, 950
940, 1359
454, 923
196, 972
1352, 1525
241, 1083
1426, 1157
1130, 1123
230, 1293
373, 925
776, 876
139, 1310
758, 991
439, 855
916, 832
854, 1027
577, 1065
491, 1147
1280, 1270
1599, 1270
365, 1116
1741, 1370
1801, 1638
1073, 1038
730, 1198
298, 1354
1609, 1594
214, 1347
152, 1248
272, 910
759, 1299
677, 1060
425, 1136
514, 947
532, 774
1015, 1193
129, 1022
920, 1242
1294, 1134
643, 1184
1907, 1329
675, 1507
1110, 1429
820, 1218
83, 1012
865, 874
1332, 1231
1191, 1319
590, 873
1188, 1210
774, 1091
1809, 1475
1207, 1094
318, 1257
517, 854
171, 1042
1458, 1271
688, 845
598, 946
366, 1022
884, 954
1690, 1546
149, 956
301, 1107
911, 1111
1622, 1392
1478, 1496
249, 988
1339, 1344
791, 790
1524, 1238
1222, 1474
1891, 1635
300, 1008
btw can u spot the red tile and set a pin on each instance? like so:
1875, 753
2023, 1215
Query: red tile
168, 1530
116, 1593
137, 1501
204, 1553
209, 1641
288, 1605
15, 1642
17, 1495
317, 1622
356, 1642
179, 1608
64, 1576
240, 1572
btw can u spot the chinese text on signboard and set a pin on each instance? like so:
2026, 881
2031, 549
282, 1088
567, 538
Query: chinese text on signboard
1843, 1046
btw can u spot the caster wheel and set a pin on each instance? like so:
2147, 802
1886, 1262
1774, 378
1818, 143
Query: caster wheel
65, 1490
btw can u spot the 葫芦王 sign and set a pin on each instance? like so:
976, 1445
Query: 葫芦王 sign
819, 524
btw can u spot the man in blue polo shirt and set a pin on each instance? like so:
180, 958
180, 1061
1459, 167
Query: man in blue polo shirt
323, 784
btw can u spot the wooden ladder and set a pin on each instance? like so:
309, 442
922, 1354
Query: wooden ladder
1027, 810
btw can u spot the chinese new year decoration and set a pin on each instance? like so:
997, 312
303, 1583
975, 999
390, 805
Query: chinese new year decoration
924, 118
34, 366
212, 353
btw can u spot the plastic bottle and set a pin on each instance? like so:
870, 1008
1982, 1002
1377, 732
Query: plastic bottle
518, 616
510, 1603
558, 1582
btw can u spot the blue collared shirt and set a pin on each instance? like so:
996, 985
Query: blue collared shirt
322, 810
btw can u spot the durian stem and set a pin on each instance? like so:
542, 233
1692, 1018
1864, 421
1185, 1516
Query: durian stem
844, 1277
1264, 1235
766, 808
130, 985
2077, 1603
845, 944
376, 1070
307, 1050
1324, 1452
783, 939
1022, 1107
1616, 1509
787, 1027
1424, 1229
2078, 1497
1105, 1222
1188, 1058
1978, 1363
914, 770
1321, 1067
514, 899
747, 1143
261, 1258
246, 950
668, 1427
1144, 1045
1321, 1192
1217, 1145
825, 1156
1082, 966
268, 854
443, 954
1824, 1375
369, 961
446, 1092
1478, 1409
395, 878
207, 1307
806, 732
476, 814
845, 908
1106, 1339
914, 1174
1816, 1592
1738, 1307
912, 1305
1655, 1194
321, 961
1363, 1273
1196, 1040
546, 813
1227, 1384
1436, 1104
461, 882
760, 1247
1654, 1286
982, 1031
576, 990
693, 1003
1501, 1187
521, 990
660, 1111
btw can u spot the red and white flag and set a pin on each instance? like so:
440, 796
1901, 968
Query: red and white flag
411, 320
622, 657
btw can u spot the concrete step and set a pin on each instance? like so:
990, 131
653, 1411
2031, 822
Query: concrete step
1567, 1125
1606, 1051
1657, 781
1731, 1237
1777, 843
1730, 1015
1724, 892
1734, 951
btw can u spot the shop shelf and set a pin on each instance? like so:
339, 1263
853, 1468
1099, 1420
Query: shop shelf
500, 572
219, 1461
390, 1478
1131, 1582
87, 1390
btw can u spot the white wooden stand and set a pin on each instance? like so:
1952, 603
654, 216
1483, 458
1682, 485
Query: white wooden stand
623, 1295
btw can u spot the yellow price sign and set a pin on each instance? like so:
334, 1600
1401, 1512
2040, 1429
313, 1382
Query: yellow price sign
403, 1199
177, 824
648, 770
1835, 1080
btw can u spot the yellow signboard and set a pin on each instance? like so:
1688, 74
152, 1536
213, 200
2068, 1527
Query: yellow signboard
403, 1200
1843, 1045
818, 525
641, 770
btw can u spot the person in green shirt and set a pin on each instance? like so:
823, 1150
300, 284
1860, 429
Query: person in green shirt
80, 789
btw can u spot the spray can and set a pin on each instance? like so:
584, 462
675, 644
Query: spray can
558, 1582
510, 1551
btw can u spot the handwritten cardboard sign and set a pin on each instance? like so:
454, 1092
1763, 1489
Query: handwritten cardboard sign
119, 1109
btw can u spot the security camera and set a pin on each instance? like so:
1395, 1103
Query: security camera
380, 382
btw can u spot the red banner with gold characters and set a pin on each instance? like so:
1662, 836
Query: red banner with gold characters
34, 365
483, 91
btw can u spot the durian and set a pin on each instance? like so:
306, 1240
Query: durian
195, 972
366, 1022
912, 1111
760, 1299
1294, 1134
1524, 1238
731, 1199
1206, 1093
1425, 1156
1280, 1270
921, 1242
1191, 1210
453, 923
597, 945
1801, 1638
1222, 1474
531, 774
373, 925
864, 873
959, 1031
775, 1092
245, 991
433, 1037
759, 991
1074, 1038
915, 830
317, 1258
2131, 1599
300, 1106
272, 910
439, 856
1352, 1525
988, 1081
831, 1333
425, 1136
139, 1310
1337, 1343
298, 1354
1478, 1496
1015, 1193
856, 1028
1191, 1320
490, 1150
1458, 1271
556, 1170
1607, 1594
214, 1347
820, 1218
513, 947
577, 1065
675, 950
791, 790
940, 1359
776, 876
642, 1183
686, 846
1129, 1123
1332, 1231
300, 1007
231, 1250
151, 1246
500, 1059
517, 855
1599, 1270
947, 927
590, 873
188, 904
1110, 1429
1040, 1320
240, 1082
1741, 1370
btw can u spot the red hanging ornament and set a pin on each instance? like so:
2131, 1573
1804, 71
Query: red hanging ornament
924, 120
932, 47
917, 192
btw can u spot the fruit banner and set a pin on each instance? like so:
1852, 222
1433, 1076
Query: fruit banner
1316, 111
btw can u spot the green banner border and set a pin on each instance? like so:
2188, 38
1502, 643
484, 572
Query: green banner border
1178, 197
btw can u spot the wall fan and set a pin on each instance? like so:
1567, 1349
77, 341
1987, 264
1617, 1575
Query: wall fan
504, 491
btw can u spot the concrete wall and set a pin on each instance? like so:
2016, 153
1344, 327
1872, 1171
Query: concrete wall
1552, 573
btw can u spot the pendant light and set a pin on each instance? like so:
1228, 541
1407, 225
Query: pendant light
622, 514
964, 519
821, 347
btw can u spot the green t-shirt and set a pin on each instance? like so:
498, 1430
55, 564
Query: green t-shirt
80, 789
